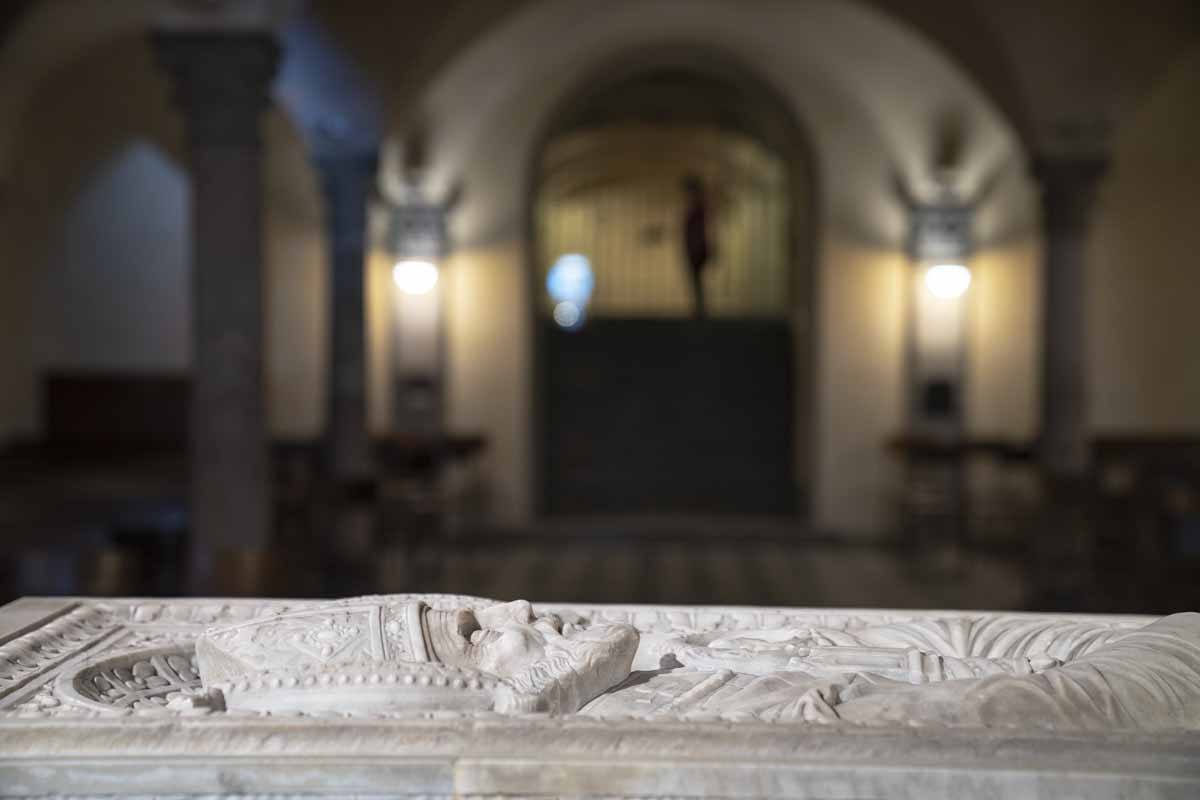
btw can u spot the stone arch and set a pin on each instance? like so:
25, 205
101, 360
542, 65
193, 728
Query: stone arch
765, 116
865, 87
73, 129
67, 135
762, 114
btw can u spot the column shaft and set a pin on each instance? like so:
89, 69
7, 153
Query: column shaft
1068, 190
348, 180
222, 83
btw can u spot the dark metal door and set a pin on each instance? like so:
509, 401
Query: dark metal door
667, 416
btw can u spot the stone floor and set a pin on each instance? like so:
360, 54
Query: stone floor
661, 563
748, 573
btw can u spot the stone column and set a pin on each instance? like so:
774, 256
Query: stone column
222, 81
348, 180
1068, 190
348, 177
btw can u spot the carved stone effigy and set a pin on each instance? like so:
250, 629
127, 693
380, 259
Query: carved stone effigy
451, 696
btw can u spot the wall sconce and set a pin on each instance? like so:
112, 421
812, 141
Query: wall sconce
417, 234
417, 241
415, 277
940, 234
940, 245
947, 281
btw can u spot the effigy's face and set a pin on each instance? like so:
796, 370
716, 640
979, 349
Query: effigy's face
507, 639
565, 665
511, 647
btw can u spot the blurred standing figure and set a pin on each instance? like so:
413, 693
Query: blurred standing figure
696, 247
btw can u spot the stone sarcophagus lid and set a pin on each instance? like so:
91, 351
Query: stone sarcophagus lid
433, 696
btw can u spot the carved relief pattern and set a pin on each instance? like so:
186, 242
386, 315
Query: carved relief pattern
293, 637
27, 656
147, 679
399, 796
194, 615
143, 638
146, 684
200, 614
43, 704
981, 635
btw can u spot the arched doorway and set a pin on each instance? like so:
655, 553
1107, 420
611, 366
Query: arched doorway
644, 406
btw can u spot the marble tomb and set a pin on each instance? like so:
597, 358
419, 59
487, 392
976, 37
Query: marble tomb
451, 696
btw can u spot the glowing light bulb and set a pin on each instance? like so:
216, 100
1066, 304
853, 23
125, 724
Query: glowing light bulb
415, 277
571, 278
567, 315
947, 281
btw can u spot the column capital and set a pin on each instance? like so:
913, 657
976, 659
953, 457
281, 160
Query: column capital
222, 81
1068, 186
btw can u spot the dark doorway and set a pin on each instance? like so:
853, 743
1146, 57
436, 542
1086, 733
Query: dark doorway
652, 402
669, 416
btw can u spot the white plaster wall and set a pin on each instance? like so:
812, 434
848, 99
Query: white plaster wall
115, 293
70, 138
1004, 354
1144, 271
295, 284
488, 332
860, 383
864, 88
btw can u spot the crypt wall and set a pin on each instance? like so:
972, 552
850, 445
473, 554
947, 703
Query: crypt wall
866, 118
865, 113
1143, 245
103, 166
486, 111
68, 141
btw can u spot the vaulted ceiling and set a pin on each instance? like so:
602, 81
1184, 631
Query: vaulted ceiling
1062, 71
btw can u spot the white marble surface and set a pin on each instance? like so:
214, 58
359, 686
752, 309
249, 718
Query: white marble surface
771, 717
